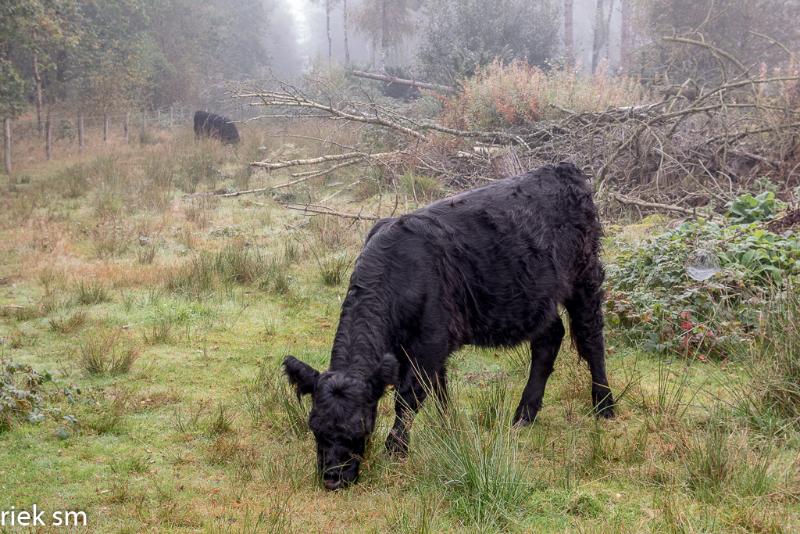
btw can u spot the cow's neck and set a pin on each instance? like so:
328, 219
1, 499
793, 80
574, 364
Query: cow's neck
363, 336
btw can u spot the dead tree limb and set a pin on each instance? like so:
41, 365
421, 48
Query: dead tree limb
325, 210
652, 205
322, 159
402, 81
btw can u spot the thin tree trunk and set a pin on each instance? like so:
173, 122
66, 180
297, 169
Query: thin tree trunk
105, 128
626, 34
48, 142
599, 34
328, 29
384, 37
126, 127
346, 42
37, 79
81, 138
7, 144
569, 31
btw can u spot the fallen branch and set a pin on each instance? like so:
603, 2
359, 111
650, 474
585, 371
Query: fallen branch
325, 210
402, 81
652, 205
321, 159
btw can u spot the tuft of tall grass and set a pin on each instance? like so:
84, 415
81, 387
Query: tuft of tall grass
109, 414
710, 462
68, 324
234, 264
270, 399
333, 268
772, 398
478, 469
101, 353
221, 421
88, 292
421, 188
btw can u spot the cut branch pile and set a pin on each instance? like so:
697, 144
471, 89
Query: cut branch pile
694, 150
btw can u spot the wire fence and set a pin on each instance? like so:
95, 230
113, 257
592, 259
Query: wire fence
59, 135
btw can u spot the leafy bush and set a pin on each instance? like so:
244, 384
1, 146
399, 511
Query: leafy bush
655, 301
748, 208
20, 393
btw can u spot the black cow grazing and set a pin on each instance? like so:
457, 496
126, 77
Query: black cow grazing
487, 267
215, 126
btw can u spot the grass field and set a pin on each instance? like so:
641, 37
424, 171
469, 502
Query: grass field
161, 321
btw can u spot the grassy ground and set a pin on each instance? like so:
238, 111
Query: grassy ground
162, 321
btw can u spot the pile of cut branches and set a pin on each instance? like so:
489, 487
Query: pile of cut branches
692, 149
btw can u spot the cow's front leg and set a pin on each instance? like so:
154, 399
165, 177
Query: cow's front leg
408, 399
544, 349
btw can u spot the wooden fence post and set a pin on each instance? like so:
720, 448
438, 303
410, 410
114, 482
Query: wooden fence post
127, 127
171, 116
7, 136
81, 138
48, 139
105, 128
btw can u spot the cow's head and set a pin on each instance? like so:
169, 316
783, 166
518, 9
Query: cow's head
343, 411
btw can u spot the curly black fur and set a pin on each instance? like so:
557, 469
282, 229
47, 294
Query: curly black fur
486, 267
215, 126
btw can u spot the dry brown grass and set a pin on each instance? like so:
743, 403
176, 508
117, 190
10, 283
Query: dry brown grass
517, 93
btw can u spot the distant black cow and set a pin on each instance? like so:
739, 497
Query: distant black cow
215, 126
487, 267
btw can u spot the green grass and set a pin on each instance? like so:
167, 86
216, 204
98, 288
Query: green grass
168, 411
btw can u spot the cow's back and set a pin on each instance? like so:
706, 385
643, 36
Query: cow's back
498, 259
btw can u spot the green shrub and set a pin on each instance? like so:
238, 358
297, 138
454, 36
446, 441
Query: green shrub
748, 208
653, 299
20, 393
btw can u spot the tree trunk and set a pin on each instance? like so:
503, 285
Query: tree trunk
346, 42
105, 128
48, 142
599, 34
328, 29
81, 138
7, 144
384, 37
37, 79
569, 31
126, 128
626, 34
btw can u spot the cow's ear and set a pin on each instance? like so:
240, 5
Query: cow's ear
301, 375
389, 369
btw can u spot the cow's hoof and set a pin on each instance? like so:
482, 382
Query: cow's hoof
525, 415
605, 408
522, 422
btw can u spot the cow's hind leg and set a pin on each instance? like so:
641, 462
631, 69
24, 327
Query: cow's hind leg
544, 349
586, 323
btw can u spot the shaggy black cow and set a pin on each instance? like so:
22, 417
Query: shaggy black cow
487, 267
215, 126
